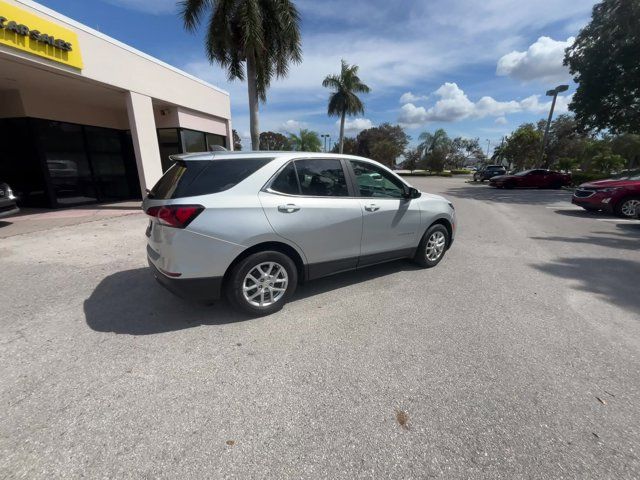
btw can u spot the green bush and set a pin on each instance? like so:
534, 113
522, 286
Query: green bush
581, 177
461, 171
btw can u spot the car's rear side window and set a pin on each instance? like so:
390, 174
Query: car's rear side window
312, 177
202, 177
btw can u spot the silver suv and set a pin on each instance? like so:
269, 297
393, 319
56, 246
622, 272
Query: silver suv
254, 224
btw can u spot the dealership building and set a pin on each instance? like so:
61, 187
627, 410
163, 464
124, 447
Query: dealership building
85, 118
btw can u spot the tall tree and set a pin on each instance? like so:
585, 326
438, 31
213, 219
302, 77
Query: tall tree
412, 157
628, 146
350, 146
394, 134
237, 142
604, 62
522, 147
306, 141
564, 139
344, 101
274, 141
464, 151
435, 147
253, 38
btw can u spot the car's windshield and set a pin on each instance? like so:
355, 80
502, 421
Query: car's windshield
630, 175
522, 173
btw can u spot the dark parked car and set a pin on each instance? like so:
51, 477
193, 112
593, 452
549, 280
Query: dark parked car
8, 205
538, 178
488, 171
619, 195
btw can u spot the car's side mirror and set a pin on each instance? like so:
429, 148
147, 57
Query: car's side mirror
410, 192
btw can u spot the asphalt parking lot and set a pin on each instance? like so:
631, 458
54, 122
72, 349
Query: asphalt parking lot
517, 357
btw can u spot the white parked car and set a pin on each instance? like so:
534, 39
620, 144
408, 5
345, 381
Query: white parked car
254, 224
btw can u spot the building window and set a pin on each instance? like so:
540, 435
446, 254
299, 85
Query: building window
169, 143
193, 141
109, 165
213, 139
66, 159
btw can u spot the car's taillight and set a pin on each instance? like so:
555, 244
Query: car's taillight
177, 216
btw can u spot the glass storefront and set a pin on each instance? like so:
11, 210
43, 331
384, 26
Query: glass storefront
183, 140
20, 164
68, 164
58, 164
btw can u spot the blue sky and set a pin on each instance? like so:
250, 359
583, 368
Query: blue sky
474, 68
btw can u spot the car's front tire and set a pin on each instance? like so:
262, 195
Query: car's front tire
262, 283
627, 207
433, 246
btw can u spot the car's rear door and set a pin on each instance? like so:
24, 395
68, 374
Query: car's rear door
311, 203
391, 227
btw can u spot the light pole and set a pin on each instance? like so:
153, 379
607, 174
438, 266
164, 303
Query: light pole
488, 146
550, 93
325, 136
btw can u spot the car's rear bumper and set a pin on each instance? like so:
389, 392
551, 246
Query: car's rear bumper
205, 289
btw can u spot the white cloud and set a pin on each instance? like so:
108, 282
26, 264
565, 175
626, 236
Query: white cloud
356, 125
532, 104
157, 7
409, 97
541, 61
501, 121
454, 105
292, 126
393, 49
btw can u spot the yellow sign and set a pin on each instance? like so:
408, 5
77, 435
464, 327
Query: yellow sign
32, 34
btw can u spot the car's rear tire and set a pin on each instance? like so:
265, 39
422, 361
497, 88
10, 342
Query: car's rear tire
509, 185
626, 208
262, 283
433, 246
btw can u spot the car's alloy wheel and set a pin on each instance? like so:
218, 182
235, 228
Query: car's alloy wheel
262, 283
265, 284
628, 207
433, 246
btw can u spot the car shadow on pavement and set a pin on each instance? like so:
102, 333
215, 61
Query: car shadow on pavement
132, 302
612, 279
615, 240
515, 196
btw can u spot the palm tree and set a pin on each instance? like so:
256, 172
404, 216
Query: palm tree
307, 141
259, 36
344, 101
434, 149
433, 141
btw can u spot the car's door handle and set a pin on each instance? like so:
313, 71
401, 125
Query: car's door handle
372, 207
288, 208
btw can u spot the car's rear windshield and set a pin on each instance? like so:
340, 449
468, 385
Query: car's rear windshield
495, 167
202, 177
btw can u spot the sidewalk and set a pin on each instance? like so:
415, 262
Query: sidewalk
31, 220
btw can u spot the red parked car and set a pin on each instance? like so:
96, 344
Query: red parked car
619, 195
537, 178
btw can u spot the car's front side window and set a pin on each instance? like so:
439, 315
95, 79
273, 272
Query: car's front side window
321, 178
376, 182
